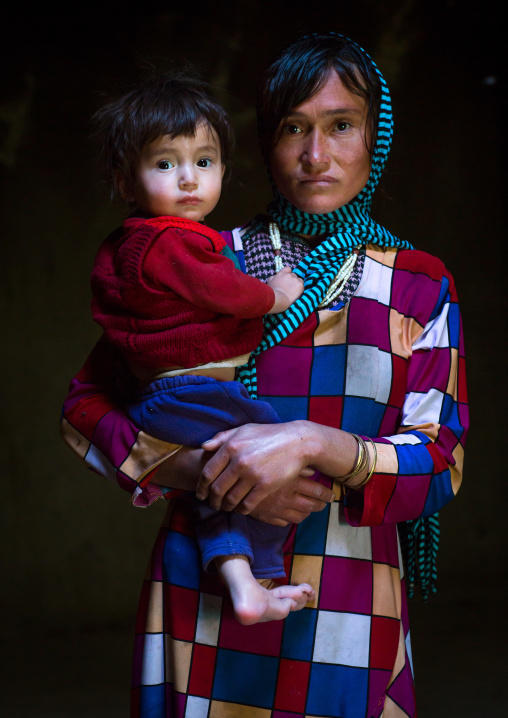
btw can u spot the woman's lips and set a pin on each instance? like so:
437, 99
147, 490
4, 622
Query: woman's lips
319, 181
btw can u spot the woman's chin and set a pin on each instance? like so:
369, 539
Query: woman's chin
318, 205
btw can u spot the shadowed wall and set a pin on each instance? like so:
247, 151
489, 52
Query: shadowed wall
74, 549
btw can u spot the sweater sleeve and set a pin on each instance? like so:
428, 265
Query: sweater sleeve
95, 427
419, 469
189, 265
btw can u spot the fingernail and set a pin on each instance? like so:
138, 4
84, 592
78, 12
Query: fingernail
334, 498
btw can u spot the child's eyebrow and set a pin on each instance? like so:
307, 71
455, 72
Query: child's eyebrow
168, 148
208, 148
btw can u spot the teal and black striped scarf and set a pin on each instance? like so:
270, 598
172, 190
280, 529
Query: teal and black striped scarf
347, 227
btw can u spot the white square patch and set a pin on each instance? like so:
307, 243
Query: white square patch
422, 408
197, 707
376, 282
207, 630
96, 460
152, 672
342, 638
345, 540
369, 373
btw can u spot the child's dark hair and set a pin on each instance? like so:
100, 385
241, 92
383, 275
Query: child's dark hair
171, 103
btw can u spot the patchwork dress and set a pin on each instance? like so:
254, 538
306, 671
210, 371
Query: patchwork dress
389, 365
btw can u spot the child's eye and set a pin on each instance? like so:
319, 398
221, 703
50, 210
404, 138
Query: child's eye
204, 162
164, 165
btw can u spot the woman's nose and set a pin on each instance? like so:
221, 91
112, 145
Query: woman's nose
315, 152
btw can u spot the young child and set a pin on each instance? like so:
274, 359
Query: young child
167, 293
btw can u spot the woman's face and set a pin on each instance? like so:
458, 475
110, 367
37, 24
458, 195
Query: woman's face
321, 161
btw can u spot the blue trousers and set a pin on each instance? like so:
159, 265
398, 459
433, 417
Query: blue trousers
189, 410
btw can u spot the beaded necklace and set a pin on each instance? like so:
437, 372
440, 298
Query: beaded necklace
341, 278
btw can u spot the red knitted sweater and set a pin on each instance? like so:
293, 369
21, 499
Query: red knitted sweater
166, 296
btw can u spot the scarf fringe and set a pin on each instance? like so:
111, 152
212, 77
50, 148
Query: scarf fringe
419, 542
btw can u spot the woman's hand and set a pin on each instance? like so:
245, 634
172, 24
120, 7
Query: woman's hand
293, 503
252, 462
255, 460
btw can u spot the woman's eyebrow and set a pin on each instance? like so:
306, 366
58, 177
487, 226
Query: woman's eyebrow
329, 113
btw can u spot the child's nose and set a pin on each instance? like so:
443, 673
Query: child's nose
188, 178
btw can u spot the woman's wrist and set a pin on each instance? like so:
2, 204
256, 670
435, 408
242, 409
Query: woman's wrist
338, 454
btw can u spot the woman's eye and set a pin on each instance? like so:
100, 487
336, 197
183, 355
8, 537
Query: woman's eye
164, 165
204, 162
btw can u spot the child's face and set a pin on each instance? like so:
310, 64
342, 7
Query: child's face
181, 177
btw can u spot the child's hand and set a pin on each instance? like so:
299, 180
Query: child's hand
287, 287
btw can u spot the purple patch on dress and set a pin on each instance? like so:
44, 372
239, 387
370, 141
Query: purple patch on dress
463, 410
114, 437
408, 499
284, 371
429, 370
346, 585
368, 323
378, 680
402, 690
262, 638
390, 421
179, 700
384, 546
414, 295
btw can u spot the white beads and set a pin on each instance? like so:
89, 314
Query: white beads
276, 244
338, 283
340, 280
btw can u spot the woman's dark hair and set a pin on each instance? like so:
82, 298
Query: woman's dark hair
172, 104
301, 70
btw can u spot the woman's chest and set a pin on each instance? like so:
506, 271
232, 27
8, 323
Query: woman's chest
346, 369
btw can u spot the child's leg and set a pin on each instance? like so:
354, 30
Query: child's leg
254, 603
190, 409
230, 542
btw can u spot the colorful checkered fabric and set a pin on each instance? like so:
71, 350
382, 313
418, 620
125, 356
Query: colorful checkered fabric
389, 365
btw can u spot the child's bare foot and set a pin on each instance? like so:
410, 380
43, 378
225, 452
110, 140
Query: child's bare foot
254, 603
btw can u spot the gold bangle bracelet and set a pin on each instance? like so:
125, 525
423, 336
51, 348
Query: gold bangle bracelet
361, 463
367, 478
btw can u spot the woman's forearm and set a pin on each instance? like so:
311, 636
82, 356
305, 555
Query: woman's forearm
182, 470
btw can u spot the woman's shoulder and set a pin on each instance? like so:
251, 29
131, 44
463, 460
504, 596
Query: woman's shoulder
414, 261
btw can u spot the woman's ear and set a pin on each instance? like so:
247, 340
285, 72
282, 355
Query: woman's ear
223, 169
123, 187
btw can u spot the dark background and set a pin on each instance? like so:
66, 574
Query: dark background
74, 550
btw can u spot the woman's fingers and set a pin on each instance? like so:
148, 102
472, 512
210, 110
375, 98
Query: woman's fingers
216, 465
293, 503
216, 441
251, 462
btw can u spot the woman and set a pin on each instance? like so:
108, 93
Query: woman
371, 350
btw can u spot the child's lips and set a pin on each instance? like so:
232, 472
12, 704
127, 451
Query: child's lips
190, 199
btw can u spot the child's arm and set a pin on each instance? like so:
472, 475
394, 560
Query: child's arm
287, 287
188, 264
